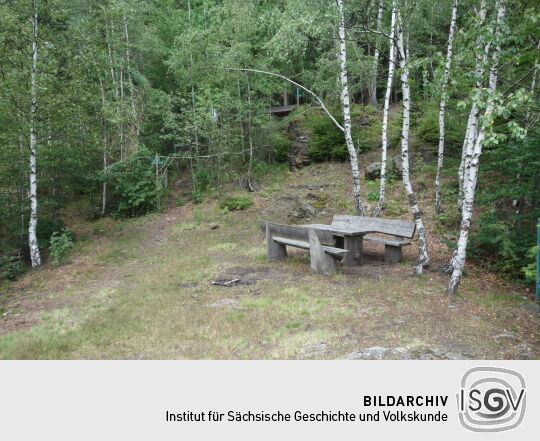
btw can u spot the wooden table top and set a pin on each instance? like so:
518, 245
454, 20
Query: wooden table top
341, 230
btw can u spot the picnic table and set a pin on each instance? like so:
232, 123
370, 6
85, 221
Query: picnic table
349, 238
349, 232
342, 239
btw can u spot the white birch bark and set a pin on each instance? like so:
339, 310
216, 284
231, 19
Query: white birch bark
472, 163
373, 83
250, 139
384, 145
442, 107
472, 122
35, 256
403, 51
346, 108
105, 148
471, 133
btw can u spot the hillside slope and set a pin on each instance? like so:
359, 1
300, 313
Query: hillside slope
142, 289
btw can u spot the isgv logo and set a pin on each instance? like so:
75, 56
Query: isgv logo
491, 399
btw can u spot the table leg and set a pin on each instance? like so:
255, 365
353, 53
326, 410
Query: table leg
354, 245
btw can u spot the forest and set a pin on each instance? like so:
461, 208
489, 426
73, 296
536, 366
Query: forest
119, 110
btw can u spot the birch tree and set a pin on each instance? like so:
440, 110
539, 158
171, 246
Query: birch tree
472, 160
442, 107
373, 82
472, 122
387, 95
32, 191
481, 51
346, 109
402, 47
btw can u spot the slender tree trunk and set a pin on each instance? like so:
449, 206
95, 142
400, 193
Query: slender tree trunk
471, 132
105, 148
250, 139
117, 90
345, 104
442, 107
472, 163
32, 193
135, 117
472, 122
384, 145
417, 213
373, 82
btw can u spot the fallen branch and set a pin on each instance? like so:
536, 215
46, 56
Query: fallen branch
338, 125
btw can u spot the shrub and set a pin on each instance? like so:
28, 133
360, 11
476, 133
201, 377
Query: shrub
133, 185
327, 141
61, 242
9, 268
373, 195
500, 247
236, 202
281, 144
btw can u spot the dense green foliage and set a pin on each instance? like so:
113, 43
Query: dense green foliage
511, 195
60, 243
123, 81
236, 202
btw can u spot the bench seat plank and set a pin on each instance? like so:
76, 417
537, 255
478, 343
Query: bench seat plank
305, 245
395, 243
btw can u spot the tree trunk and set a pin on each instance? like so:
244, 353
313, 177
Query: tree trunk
384, 146
442, 107
250, 139
471, 133
417, 213
135, 118
373, 82
472, 122
105, 144
32, 193
345, 105
472, 163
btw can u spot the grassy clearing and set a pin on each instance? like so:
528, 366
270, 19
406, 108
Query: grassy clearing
142, 289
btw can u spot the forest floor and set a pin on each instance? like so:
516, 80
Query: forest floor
142, 289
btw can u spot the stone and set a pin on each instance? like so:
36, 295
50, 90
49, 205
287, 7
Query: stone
524, 352
303, 211
213, 226
401, 353
222, 302
312, 350
298, 153
313, 197
397, 165
505, 337
532, 307
373, 171
449, 237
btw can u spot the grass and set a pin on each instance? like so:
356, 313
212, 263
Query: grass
142, 289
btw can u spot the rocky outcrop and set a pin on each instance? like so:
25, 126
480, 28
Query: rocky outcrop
298, 155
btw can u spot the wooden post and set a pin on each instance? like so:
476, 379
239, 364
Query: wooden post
320, 262
355, 255
392, 254
275, 251
285, 98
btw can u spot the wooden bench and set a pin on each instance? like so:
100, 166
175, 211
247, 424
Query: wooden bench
323, 254
398, 228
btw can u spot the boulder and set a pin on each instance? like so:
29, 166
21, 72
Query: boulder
373, 171
397, 165
303, 211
